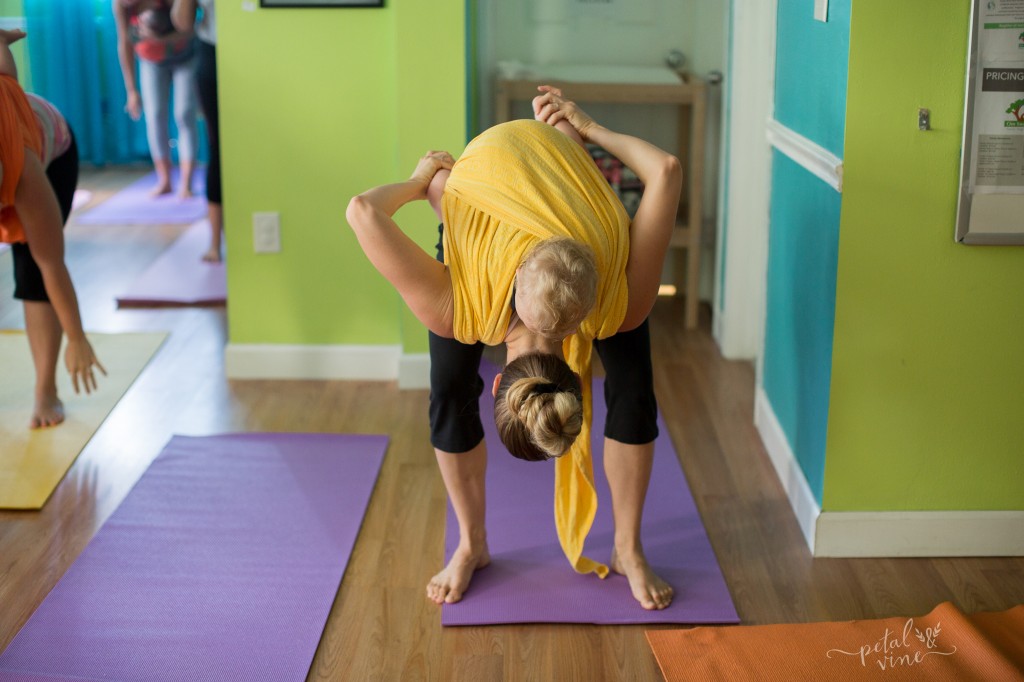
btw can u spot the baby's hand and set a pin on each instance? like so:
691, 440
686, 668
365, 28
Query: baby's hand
10, 36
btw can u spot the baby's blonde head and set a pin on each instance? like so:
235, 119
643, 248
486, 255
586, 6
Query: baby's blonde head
556, 287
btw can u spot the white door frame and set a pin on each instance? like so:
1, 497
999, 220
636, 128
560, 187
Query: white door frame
739, 302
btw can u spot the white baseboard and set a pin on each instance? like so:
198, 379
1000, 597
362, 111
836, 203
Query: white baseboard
801, 499
373, 363
414, 371
273, 361
887, 533
920, 534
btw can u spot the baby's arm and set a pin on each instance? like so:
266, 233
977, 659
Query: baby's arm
7, 65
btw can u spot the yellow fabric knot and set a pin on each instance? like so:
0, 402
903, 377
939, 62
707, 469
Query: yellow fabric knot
517, 184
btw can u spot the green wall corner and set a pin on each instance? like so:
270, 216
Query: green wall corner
316, 106
926, 398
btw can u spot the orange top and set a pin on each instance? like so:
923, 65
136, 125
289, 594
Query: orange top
18, 130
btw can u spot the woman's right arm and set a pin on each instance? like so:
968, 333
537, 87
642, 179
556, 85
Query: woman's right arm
126, 55
40, 216
422, 281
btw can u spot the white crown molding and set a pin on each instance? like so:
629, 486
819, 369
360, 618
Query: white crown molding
814, 158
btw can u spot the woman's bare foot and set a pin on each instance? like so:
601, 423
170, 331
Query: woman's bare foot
448, 586
161, 188
651, 591
48, 411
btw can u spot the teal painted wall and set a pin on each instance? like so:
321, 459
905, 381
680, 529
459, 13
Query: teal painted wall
810, 96
317, 105
927, 408
810, 71
802, 255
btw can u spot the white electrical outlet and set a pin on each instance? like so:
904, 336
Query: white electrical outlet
266, 232
821, 10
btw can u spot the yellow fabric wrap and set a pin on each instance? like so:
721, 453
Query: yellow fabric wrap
517, 184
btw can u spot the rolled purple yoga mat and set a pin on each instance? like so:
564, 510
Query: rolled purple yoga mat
221, 564
179, 276
530, 580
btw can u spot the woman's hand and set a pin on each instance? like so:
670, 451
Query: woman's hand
11, 36
551, 108
79, 358
428, 166
133, 107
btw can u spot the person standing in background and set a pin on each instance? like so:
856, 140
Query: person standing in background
166, 55
184, 17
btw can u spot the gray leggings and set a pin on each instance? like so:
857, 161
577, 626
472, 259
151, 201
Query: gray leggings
155, 87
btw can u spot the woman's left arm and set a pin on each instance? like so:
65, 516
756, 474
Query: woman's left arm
651, 229
422, 281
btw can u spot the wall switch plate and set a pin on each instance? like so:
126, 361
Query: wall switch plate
821, 10
266, 232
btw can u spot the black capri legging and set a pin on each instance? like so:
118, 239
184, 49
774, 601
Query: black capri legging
206, 82
63, 176
456, 386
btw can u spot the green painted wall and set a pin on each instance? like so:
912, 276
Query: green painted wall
316, 106
15, 9
927, 408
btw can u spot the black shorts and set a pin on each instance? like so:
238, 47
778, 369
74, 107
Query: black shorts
63, 176
456, 385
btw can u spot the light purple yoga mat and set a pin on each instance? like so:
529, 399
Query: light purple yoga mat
133, 205
221, 564
179, 276
529, 579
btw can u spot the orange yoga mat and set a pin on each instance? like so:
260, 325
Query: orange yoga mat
943, 645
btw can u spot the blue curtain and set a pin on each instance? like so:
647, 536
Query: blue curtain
72, 52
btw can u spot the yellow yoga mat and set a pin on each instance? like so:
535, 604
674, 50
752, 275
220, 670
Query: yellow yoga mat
33, 461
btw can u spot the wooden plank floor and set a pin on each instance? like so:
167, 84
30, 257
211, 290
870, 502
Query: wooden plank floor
381, 626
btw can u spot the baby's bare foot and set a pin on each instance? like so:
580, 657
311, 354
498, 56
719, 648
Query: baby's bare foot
448, 586
212, 255
185, 192
651, 591
48, 411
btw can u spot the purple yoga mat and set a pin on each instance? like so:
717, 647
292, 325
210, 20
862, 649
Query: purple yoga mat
529, 579
221, 564
133, 205
179, 276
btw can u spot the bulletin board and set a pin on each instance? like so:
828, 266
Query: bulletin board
991, 205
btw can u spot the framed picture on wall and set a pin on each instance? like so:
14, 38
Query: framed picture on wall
321, 3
